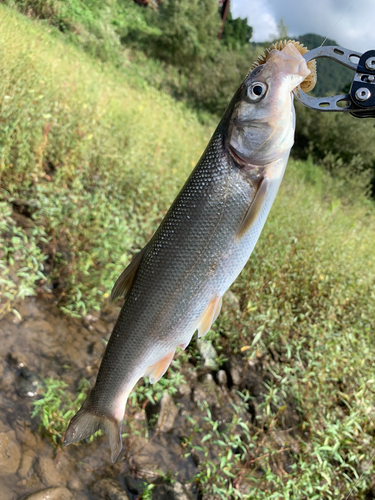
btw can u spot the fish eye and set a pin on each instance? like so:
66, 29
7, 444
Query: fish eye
256, 91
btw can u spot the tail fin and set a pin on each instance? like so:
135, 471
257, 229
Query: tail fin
84, 424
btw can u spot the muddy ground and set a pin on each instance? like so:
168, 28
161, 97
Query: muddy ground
40, 342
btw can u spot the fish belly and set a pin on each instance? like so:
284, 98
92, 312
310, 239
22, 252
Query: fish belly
234, 255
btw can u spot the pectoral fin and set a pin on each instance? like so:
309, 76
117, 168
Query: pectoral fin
125, 280
255, 208
209, 316
157, 370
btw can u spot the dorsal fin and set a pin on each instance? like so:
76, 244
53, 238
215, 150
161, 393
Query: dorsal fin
157, 370
209, 316
125, 280
255, 207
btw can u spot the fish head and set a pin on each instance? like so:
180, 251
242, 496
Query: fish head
261, 125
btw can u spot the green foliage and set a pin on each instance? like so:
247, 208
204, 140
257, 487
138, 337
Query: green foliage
21, 259
223, 449
200, 70
147, 492
282, 29
344, 145
95, 158
97, 26
154, 392
237, 33
222, 75
188, 31
74, 139
180, 39
309, 289
56, 407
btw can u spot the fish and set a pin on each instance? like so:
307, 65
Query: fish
175, 284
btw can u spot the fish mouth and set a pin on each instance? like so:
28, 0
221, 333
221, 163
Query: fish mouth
237, 157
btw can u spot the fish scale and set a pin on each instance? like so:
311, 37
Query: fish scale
184, 248
175, 284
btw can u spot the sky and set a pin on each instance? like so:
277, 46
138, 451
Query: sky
355, 30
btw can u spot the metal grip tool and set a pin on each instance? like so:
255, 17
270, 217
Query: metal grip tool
360, 102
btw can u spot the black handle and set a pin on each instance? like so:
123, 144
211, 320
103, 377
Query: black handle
362, 91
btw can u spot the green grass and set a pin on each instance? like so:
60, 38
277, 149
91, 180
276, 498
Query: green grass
56, 407
92, 161
80, 145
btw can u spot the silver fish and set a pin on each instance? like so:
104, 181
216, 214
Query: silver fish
174, 286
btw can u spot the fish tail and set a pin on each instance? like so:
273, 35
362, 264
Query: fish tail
85, 423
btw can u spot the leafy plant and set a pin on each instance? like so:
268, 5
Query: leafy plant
56, 407
91, 157
230, 444
154, 392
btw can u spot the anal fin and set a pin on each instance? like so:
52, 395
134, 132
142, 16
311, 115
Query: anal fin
157, 370
209, 316
125, 280
255, 208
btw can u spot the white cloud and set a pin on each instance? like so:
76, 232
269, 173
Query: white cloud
355, 29
260, 17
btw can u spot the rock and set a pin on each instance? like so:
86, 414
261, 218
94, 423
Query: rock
208, 353
37, 326
234, 367
26, 436
23, 310
231, 304
13, 317
159, 455
46, 470
74, 484
7, 493
96, 348
184, 390
27, 460
135, 486
235, 373
253, 379
90, 321
27, 382
101, 328
181, 492
164, 492
207, 391
196, 458
191, 489
207, 378
171, 492
16, 359
51, 494
168, 413
109, 489
222, 378
90, 318
10, 453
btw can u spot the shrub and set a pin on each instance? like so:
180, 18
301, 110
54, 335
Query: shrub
344, 145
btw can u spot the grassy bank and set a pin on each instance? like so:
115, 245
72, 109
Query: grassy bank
89, 163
